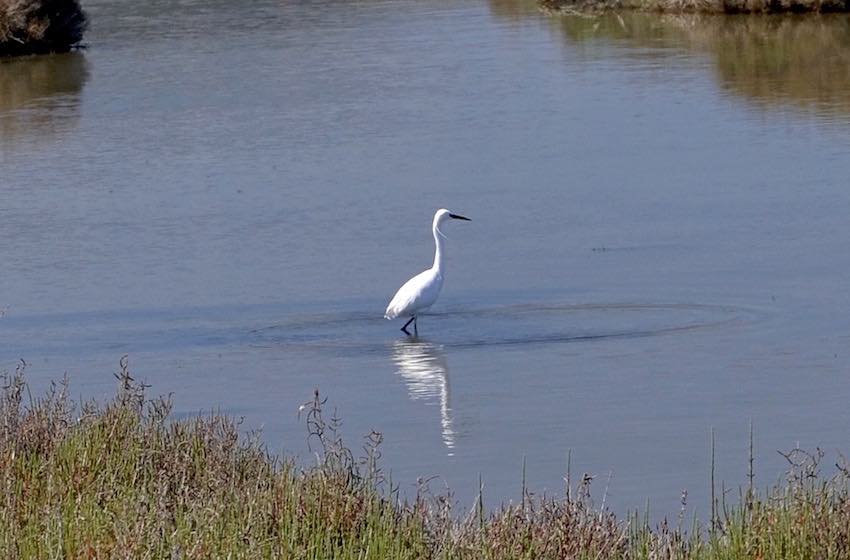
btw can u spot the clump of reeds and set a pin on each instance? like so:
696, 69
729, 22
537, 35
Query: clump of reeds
40, 26
698, 6
123, 480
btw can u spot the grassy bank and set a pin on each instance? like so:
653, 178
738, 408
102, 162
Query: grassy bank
122, 480
40, 26
698, 6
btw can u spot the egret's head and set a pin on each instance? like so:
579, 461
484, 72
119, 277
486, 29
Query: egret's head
444, 215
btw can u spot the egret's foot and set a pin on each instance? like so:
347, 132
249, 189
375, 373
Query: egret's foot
404, 328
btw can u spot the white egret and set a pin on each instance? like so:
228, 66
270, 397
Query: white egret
420, 292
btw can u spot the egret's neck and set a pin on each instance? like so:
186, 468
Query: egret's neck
439, 252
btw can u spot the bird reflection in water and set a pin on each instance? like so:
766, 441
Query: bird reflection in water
423, 367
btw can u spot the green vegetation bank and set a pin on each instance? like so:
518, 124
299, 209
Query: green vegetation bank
698, 6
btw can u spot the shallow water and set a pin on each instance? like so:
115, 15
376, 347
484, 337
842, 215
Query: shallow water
658, 245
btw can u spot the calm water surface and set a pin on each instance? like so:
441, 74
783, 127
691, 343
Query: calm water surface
230, 192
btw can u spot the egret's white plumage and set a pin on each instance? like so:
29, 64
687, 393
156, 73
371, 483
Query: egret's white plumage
420, 292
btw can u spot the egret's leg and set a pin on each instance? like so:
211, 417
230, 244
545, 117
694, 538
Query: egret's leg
415, 328
404, 328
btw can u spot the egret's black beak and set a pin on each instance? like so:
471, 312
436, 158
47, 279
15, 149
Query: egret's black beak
458, 217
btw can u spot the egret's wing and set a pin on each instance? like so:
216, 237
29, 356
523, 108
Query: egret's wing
407, 297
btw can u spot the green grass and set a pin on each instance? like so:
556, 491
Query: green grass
123, 480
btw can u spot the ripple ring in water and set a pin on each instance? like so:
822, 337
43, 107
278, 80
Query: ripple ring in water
506, 325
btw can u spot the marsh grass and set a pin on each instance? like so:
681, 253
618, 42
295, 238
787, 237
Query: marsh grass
40, 26
698, 6
123, 480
